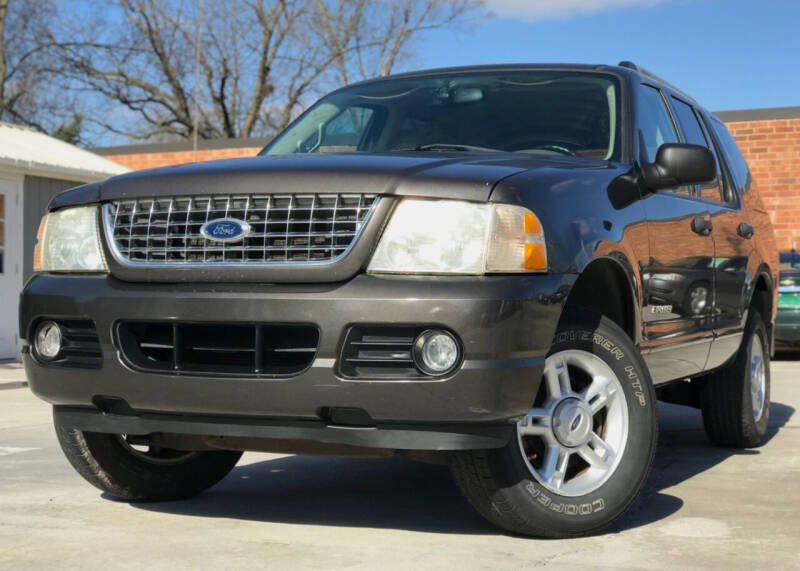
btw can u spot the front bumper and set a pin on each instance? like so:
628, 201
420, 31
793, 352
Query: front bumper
506, 326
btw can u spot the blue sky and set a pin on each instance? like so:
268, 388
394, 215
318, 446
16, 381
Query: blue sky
728, 54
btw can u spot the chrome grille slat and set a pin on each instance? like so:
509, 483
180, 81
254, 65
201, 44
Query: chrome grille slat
285, 228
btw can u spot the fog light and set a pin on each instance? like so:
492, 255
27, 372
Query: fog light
436, 352
48, 340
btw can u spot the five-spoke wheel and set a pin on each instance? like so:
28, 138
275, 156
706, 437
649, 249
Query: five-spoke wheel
573, 438
758, 377
583, 450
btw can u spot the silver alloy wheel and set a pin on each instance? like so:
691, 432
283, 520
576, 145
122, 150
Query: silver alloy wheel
758, 377
574, 437
155, 454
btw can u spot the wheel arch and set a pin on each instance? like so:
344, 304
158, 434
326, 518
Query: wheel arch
762, 298
615, 276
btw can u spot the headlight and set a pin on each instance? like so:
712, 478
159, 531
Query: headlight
69, 241
668, 277
456, 237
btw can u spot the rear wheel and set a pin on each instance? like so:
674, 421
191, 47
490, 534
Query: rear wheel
118, 466
583, 451
736, 398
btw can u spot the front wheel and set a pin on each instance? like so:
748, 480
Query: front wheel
582, 453
117, 466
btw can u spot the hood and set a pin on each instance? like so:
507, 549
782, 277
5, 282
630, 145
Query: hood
433, 174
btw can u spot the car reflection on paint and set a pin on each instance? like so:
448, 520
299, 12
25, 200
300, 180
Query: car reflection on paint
684, 284
683, 287
787, 325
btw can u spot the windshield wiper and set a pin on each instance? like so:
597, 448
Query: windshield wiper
452, 147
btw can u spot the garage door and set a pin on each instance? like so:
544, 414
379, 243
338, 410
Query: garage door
10, 266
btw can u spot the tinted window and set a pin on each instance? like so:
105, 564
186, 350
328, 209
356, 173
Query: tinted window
693, 133
736, 162
535, 112
654, 122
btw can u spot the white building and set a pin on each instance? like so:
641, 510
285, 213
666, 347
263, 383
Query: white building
34, 167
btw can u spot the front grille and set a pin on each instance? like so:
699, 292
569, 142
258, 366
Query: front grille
80, 345
296, 228
218, 349
380, 352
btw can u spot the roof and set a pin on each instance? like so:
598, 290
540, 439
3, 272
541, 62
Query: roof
492, 67
185, 145
765, 114
645, 73
29, 150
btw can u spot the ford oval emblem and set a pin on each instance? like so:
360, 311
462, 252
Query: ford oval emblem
225, 230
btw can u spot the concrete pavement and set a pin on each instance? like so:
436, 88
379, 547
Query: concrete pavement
704, 507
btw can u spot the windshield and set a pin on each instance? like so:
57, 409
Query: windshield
539, 112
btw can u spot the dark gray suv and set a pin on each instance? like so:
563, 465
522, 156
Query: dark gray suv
497, 267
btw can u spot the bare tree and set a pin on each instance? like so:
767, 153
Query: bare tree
260, 61
369, 37
29, 93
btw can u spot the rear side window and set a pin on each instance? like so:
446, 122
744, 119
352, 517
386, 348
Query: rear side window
736, 162
688, 122
693, 133
655, 123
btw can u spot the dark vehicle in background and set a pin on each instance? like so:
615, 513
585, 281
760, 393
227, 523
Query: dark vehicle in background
688, 293
787, 324
500, 268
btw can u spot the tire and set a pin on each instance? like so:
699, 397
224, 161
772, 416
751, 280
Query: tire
730, 408
511, 486
107, 462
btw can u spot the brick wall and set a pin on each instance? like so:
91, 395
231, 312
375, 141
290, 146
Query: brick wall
139, 161
772, 150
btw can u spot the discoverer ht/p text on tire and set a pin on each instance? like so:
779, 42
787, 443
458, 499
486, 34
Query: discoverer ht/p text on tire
583, 452
131, 472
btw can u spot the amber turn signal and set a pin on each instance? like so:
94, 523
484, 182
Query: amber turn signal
37, 249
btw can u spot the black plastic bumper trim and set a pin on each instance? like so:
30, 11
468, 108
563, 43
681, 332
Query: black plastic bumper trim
392, 436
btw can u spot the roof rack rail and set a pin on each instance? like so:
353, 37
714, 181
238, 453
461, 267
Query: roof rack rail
651, 75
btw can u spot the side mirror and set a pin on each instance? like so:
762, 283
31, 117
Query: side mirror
678, 164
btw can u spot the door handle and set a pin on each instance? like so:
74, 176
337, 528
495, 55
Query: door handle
745, 230
701, 225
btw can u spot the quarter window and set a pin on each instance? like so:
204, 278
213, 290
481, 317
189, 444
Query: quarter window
693, 133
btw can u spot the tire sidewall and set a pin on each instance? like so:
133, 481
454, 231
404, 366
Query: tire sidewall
566, 514
755, 430
104, 462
